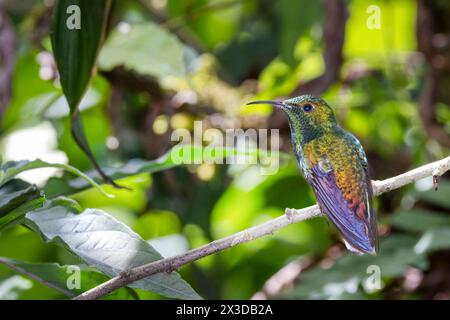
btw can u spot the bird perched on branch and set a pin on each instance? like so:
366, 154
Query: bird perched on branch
334, 163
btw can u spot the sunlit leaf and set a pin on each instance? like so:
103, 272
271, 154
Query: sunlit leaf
260, 193
108, 245
33, 97
292, 26
170, 245
12, 287
180, 155
157, 224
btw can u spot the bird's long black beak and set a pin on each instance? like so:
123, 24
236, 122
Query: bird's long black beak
278, 104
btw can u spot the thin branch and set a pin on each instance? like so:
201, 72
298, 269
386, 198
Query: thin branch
434, 169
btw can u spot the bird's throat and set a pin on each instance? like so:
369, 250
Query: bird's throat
303, 132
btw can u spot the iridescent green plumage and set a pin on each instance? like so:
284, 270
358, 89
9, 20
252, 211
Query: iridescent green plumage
334, 163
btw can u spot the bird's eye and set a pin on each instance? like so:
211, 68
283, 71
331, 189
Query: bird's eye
307, 107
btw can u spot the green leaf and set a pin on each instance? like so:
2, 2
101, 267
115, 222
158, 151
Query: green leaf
12, 168
439, 197
17, 197
69, 280
146, 49
27, 101
17, 214
75, 50
10, 201
108, 245
345, 277
265, 195
179, 155
417, 220
296, 17
434, 239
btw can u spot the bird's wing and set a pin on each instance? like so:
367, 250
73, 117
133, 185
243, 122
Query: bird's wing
348, 204
370, 214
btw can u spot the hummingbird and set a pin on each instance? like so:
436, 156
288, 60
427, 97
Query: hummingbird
333, 162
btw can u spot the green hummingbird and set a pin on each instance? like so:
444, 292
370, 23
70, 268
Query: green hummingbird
334, 163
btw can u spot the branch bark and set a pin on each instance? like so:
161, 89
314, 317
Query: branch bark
434, 169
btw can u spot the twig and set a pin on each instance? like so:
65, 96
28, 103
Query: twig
436, 168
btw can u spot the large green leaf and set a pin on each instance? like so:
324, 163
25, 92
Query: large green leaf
108, 245
75, 51
146, 49
69, 280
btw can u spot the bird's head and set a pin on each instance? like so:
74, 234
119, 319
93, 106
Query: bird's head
309, 116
